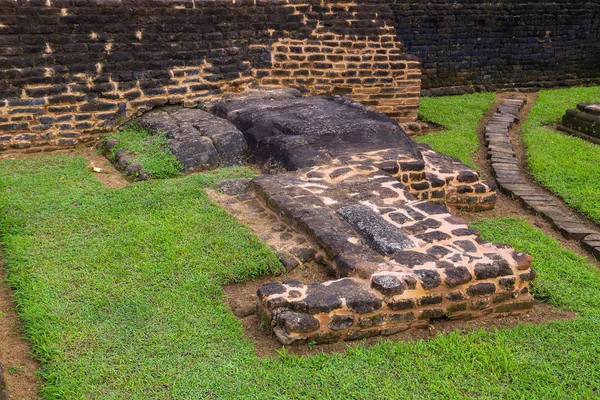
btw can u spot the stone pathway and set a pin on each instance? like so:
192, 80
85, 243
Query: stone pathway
512, 181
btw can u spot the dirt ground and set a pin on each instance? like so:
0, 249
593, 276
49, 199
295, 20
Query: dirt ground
19, 366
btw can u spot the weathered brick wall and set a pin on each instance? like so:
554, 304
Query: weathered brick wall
70, 70
473, 44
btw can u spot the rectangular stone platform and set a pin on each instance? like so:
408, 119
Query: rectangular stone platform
403, 259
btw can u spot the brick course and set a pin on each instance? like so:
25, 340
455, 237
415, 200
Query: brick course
469, 45
72, 70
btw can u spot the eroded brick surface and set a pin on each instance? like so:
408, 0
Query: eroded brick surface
71, 71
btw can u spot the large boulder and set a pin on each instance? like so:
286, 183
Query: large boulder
299, 132
200, 140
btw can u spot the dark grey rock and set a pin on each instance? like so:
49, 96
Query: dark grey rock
455, 296
200, 140
339, 322
431, 299
481, 289
403, 317
380, 234
289, 262
304, 254
307, 131
413, 258
507, 283
297, 322
429, 278
326, 298
466, 245
438, 251
372, 321
457, 276
402, 304
486, 271
389, 285
269, 289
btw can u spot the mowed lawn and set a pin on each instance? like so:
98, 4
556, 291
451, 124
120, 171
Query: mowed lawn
459, 115
567, 165
120, 292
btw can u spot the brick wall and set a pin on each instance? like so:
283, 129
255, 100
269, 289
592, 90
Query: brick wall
70, 70
481, 45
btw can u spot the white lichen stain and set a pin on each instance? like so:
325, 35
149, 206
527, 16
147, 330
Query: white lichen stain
138, 34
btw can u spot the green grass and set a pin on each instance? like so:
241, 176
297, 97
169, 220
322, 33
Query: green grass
150, 151
568, 166
460, 116
120, 292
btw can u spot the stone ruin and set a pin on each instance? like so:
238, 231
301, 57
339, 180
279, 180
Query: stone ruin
583, 122
374, 202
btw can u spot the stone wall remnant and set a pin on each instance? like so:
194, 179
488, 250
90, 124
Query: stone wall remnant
71, 71
472, 45
584, 122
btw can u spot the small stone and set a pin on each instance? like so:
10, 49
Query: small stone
389, 285
455, 296
432, 313
288, 262
398, 318
402, 304
429, 278
431, 299
486, 271
356, 335
457, 276
438, 251
372, 321
339, 322
285, 236
480, 304
269, 289
412, 258
456, 307
324, 338
466, 245
530, 276
507, 283
304, 254
435, 236
110, 144
481, 289
523, 260
432, 208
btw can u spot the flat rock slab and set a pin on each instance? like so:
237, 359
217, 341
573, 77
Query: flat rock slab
308, 131
200, 140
